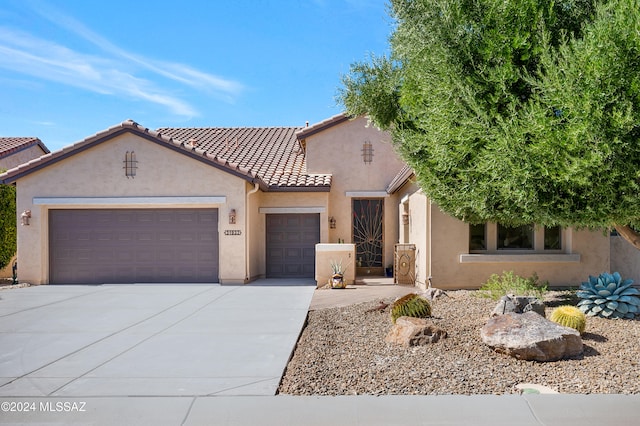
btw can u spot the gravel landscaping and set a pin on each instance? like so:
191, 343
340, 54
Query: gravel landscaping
342, 352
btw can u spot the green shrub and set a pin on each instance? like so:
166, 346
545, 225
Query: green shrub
509, 283
411, 305
7, 224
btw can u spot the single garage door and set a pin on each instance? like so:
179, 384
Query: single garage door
133, 246
291, 245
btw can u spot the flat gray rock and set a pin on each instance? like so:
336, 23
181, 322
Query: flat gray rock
529, 336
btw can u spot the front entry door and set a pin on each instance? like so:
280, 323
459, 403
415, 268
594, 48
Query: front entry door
367, 235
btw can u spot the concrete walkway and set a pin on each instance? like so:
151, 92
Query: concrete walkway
214, 355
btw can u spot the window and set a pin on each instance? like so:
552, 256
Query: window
515, 238
552, 238
496, 238
478, 240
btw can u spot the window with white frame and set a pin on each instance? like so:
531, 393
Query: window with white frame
497, 238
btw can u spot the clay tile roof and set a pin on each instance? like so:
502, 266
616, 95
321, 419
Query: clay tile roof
271, 153
11, 145
269, 156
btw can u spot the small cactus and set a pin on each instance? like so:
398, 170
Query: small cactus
411, 305
569, 316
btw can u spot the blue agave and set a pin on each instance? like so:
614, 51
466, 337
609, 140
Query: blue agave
608, 296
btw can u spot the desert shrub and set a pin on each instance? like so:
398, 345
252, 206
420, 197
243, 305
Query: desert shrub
509, 283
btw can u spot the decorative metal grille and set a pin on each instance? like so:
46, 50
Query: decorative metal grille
367, 232
367, 152
130, 164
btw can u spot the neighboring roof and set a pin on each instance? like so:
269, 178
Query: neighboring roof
323, 125
12, 145
270, 157
400, 179
272, 153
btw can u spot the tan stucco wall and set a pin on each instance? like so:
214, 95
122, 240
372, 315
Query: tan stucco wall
98, 172
450, 239
20, 157
338, 150
625, 259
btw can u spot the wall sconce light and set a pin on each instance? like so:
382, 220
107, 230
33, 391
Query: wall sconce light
332, 222
405, 218
232, 217
24, 217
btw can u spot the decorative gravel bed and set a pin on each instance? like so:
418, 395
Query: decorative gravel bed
342, 352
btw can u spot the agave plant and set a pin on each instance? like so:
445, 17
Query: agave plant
609, 296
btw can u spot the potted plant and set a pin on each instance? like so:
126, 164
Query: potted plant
337, 277
389, 271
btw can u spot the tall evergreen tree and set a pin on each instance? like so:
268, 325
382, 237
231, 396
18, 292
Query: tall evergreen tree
514, 111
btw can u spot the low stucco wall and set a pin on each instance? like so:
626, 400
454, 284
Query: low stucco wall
7, 272
327, 253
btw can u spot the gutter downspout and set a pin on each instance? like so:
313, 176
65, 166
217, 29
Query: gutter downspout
256, 186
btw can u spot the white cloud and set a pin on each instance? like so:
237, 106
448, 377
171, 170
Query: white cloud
115, 72
179, 72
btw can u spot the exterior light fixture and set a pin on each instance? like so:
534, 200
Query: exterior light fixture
332, 222
232, 217
24, 217
405, 218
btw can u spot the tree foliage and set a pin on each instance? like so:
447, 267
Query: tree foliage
7, 224
513, 111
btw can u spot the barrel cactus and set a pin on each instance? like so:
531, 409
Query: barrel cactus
411, 305
569, 316
608, 296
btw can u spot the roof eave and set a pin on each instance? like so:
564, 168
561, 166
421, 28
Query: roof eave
323, 125
277, 188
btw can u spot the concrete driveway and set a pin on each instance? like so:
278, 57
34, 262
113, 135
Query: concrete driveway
149, 340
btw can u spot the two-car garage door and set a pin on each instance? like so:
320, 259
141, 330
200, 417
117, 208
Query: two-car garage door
133, 246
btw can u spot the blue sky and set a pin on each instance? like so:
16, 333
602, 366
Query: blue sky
71, 68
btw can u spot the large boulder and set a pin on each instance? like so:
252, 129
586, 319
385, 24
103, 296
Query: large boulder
518, 304
529, 336
409, 331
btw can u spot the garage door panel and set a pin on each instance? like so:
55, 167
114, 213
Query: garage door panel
290, 245
134, 245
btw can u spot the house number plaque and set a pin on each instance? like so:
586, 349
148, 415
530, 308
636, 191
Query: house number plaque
233, 232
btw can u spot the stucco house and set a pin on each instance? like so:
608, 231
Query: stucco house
18, 150
224, 205
231, 205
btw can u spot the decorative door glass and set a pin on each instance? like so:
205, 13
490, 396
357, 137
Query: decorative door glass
367, 232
